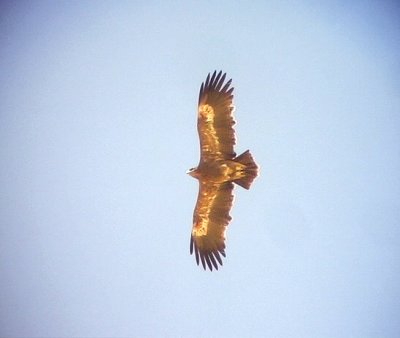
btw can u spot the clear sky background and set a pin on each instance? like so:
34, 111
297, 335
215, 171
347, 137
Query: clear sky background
98, 126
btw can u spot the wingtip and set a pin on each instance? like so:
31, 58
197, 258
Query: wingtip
215, 82
210, 260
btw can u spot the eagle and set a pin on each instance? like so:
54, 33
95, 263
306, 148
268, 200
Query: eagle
218, 169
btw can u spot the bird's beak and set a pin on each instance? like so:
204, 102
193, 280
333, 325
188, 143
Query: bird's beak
192, 172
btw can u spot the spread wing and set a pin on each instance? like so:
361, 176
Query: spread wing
215, 121
210, 219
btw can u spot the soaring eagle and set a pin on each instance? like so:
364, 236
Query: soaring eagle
218, 169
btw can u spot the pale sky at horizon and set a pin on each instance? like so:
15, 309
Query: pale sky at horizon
98, 127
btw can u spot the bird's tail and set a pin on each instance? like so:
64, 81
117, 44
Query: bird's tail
251, 170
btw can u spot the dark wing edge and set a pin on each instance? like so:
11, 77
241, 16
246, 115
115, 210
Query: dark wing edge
208, 257
213, 209
214, 84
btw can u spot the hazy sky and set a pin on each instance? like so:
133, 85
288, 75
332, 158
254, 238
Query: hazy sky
98, 126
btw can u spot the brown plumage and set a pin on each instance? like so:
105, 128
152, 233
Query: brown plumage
217, 170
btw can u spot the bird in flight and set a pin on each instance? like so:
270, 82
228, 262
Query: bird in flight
219, 168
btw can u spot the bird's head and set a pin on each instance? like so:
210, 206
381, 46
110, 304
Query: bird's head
193, 172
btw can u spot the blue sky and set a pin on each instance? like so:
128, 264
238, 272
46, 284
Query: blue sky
98, 126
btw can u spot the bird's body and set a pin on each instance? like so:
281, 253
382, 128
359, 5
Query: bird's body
218, 169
